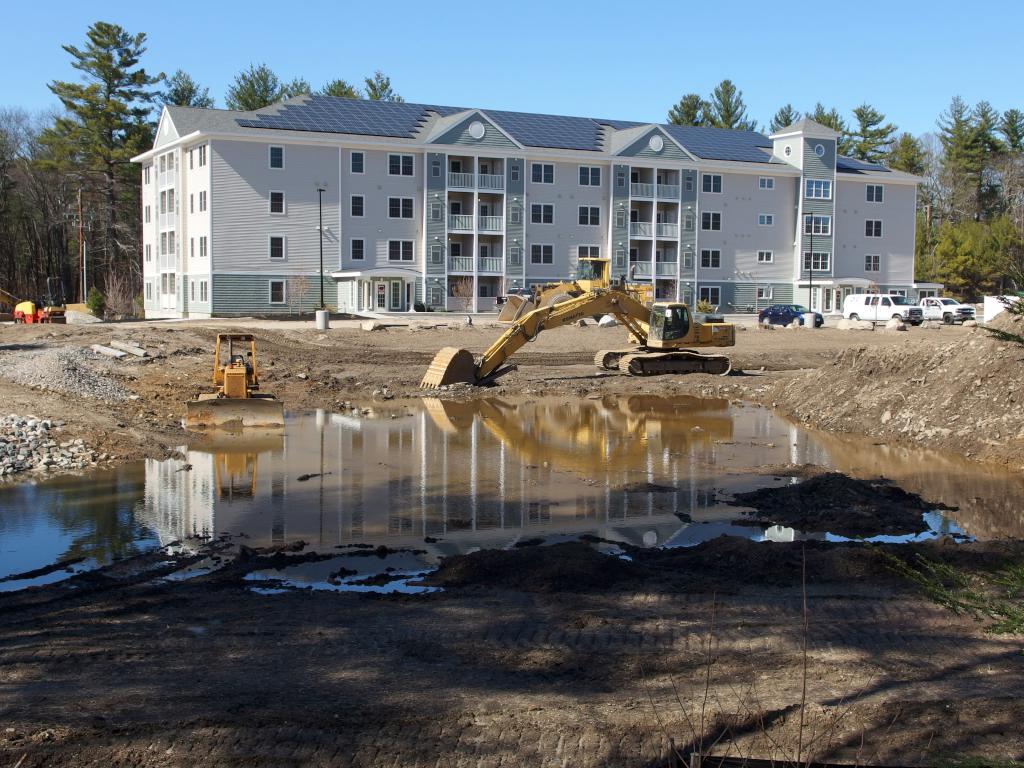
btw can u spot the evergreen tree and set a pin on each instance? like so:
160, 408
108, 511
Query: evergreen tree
107, 122
183, 91
1011, 126
907, 154
378, 88
689, 110
963, 159
727, 110
831, 118
297, 87
871, 139
784, 117
254, 88
340, 88
987, 120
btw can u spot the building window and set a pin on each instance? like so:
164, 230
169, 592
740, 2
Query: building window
874, 193
620, 218
872, 262
542, 213
818, 189
277, 202
688, 184
620, 178
455, 250
766, 182
192, 247
436, 254
712, 182
170, 244
542, 173
399, 250
204, 290
589, 251
711, 220
817, 225
766, 220
191, 283
435, 212
145, 174
710, 258
399, 207
277, 293
712, 294
202, 202
765, 257
148, 214
149, 253
355, 162
542, 254
277, 157
170, 201
163, 203
191, 165
356, 250
149, 291
170, 161
515, 256
163, 243
590, 215
816, 261
873, 228
276, 247
687, 259
590, 176
191, 203
764, 292
819, 150
688, 222
202, 155
356, 205
400, 165
513, 172
202, 247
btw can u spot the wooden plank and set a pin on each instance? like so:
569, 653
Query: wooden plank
102, 350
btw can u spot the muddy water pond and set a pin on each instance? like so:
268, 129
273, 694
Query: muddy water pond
445, 478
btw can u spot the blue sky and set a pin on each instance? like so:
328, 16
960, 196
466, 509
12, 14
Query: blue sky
627, 60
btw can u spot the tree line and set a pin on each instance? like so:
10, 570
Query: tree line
66, 176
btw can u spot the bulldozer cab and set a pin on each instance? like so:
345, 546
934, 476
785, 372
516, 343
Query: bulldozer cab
234, 362
670, 325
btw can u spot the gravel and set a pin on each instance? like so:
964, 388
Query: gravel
72, 371
28, 443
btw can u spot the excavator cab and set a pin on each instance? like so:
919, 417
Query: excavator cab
592, 273
669, 323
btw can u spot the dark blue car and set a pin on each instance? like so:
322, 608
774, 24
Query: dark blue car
784, 314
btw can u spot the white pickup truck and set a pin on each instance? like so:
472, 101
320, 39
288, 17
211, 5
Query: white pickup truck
947, 310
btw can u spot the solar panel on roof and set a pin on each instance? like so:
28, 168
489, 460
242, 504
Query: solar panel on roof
851, 164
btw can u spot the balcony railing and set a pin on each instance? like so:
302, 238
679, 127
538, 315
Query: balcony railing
461, 221
491, 181
641, 190
668, 230
460, 180
490, 264
666, 268
490, 223
668, 191
640, 268
640, 228
460, 263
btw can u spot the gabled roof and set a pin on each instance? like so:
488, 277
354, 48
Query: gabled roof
808, 127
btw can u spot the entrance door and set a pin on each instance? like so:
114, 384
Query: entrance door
396, 295
828, 300
168, 292
382, 296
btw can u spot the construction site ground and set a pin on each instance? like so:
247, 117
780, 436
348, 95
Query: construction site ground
581, 658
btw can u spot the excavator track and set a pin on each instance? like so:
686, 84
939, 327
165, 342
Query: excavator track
608, 359
677, 362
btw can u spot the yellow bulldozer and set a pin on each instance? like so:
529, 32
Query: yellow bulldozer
666, 336
592, 273
237, 403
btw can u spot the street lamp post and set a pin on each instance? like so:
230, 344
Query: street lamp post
320, 189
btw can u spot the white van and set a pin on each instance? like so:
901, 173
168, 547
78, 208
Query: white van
880, 307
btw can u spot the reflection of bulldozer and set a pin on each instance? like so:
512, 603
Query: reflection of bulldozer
236, 458
237, 403
591, 273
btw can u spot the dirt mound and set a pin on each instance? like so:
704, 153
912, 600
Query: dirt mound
569, 567
963, 396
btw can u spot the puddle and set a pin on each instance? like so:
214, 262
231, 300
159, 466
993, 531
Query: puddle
449, 478
369, 573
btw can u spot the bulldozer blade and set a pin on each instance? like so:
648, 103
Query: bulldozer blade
450, 366
212, 412
514, 308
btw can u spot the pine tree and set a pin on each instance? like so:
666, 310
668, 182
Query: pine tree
963, 159
786, 116
727, 110
906, 154
340, 88
1011, 126
254, 88
871, 139
831, 118
299, 86
183, 91
378, 88
689, 110
987, 120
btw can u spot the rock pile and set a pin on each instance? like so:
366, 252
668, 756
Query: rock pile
70, 370
30, 444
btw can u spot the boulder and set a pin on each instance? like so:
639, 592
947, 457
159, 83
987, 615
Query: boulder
895, 325
854, 325
970, 323
607, 321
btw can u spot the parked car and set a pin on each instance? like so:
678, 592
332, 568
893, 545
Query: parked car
881, 307
947, 310
784, 314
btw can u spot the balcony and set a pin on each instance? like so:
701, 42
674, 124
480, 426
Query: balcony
460, 181
640, 269
666, 268
493, 181
668, 191
640, 229
460, 222
460, 263
490, 264
669, 230
641, 190
490, 223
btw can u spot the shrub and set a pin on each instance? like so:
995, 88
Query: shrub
705, 306
95, 302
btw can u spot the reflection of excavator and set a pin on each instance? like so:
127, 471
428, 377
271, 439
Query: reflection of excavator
236, 403
592, 273
666, 334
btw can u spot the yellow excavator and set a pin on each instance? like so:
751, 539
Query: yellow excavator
666, 336
592, 273
237, 403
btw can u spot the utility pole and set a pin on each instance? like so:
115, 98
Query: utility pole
81, 249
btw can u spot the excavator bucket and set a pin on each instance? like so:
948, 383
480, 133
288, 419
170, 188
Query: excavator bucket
233, 413
450, 366
514, 307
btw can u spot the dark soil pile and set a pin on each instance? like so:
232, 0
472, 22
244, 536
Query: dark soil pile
836, 503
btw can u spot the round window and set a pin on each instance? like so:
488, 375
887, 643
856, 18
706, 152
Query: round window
788, 150
819, 150
656, 143
476, 129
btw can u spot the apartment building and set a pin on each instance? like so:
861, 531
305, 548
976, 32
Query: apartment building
412, 204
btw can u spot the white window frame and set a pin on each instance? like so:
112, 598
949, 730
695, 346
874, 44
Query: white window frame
810, 255
149, 290
352, 240
766, 219
401, 164
542, 246
813, 185
712, 177
766, 257
824, 226
270, 247
588, 255
202, 155
270, 292
191, 283
149, 252
879, 193
401, 256
590, 175
881, 228
270, 156
202, 201
590, 215
709, 288
711, 221
437, 250
204, 291
542, 167
766, 183
356, 215
146, 173
204, 250
872, 262
401, 208
711, 257
284, 202
763, 292
542, 206
362, 162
